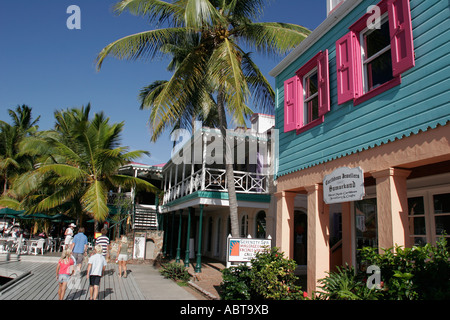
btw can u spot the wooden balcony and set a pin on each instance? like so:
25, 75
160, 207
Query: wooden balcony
209, 179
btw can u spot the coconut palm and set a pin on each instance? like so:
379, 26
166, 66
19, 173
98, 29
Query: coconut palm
217, 65
12, 163
78, 165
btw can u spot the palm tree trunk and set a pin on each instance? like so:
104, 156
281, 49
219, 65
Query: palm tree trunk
229, 172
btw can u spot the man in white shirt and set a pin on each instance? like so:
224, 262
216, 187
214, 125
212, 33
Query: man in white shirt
96, 268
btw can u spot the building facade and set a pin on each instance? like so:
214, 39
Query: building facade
195, 206
368, 90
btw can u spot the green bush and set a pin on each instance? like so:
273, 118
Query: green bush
345, 284
270, 277
418, 273
175, 271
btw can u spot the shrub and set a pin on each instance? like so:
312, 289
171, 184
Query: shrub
418, 273
270, 277
175, 271
346, 284
413, 273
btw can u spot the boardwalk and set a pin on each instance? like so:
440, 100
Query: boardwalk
39, 283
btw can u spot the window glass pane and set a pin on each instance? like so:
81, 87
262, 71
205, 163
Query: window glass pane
420, 241
312, 85
419, 226
442, 203
379, 70
366, 223
313, 109
377, 39
415, 206
442, 225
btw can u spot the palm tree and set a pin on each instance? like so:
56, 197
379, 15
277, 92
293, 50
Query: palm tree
78, 164
12, 163
217, 65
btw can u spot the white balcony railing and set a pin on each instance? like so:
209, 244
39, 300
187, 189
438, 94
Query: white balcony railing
215, 180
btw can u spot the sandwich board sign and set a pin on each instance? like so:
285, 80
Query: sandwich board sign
243, 250
343, 184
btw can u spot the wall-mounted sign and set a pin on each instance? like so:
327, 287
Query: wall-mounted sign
245, 249
343, 185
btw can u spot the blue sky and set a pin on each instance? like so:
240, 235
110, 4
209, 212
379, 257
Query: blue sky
48, 67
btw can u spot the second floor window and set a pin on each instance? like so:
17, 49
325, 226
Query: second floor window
311, 96
376, 56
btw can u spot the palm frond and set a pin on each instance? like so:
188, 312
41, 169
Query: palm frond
143, 45
94, 201
155, 10
272, 37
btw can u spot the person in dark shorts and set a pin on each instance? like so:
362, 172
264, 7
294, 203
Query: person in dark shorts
79, 248
96, 268
103, 240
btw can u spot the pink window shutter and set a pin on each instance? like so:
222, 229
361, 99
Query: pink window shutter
345, 68
400, 27
292, 103
323, 83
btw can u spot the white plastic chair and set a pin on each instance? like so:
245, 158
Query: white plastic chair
36, 246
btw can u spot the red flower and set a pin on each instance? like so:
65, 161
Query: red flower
305, 294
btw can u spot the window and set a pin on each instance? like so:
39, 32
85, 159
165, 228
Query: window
429, 216
370, 61
417, 223
441, 206
376, 56
311, 94
307, 95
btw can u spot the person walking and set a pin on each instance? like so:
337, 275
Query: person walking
103, 240
96, 268
122, 256
79, 248
63, 272
69, 235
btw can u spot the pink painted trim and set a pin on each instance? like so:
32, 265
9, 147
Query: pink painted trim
310, 125
378, 90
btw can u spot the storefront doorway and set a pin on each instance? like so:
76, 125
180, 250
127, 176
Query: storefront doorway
366, 232
300, 237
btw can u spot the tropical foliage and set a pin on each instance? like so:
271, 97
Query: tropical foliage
417, 273
212, 69
12, 162
270, 277
76, 165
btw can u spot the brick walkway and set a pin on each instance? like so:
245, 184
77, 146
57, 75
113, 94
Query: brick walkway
209, 279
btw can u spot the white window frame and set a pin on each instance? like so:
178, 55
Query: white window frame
383, 19
305, 99
430, 222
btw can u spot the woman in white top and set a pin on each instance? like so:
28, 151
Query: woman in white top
69, 235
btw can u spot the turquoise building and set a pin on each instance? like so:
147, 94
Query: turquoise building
368, 90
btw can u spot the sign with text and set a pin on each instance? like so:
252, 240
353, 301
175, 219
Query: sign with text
343, 185
245, 249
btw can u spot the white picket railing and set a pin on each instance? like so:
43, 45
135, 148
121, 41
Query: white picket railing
215, 180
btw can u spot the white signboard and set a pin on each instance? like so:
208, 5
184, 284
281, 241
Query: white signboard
245, 249
343, 185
